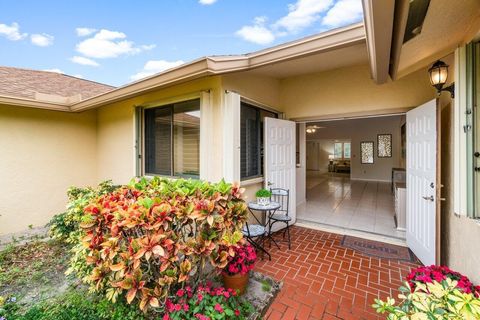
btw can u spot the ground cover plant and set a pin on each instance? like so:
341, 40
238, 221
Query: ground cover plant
136, 246
433, 292
148, 239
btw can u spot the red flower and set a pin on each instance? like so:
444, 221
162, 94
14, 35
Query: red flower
237, 312
180, 293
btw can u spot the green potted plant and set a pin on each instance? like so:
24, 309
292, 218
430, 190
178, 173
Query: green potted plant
263, 196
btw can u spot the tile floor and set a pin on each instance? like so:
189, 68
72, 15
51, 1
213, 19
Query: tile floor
324, 280
335, 200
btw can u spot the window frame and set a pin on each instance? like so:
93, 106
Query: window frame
343, 151
258, 108
142, 141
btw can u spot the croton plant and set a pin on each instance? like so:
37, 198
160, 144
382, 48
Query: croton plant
154, 237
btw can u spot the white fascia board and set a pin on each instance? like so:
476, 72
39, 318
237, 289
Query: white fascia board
378, 19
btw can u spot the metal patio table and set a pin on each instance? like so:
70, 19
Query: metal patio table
262, 230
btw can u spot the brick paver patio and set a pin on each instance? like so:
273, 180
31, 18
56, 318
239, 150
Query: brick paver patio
323, 280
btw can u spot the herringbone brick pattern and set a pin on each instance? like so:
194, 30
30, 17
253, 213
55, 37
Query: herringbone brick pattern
323, 280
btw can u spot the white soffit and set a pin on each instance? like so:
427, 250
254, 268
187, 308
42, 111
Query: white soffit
448, 25
378, 19
338, 58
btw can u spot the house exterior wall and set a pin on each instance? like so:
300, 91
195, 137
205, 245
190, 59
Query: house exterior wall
350, 90
116, 130
43, 153
261, 89
460, 235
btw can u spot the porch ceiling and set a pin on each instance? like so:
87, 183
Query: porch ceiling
328, 60
448, 24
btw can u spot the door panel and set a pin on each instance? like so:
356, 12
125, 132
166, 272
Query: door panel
422, 181
280, 159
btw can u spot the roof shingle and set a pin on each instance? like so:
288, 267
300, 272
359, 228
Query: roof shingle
25, 83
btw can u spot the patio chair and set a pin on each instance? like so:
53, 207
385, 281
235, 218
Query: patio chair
282, 196
256, 231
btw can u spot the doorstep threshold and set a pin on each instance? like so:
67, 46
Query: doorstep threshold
351, 232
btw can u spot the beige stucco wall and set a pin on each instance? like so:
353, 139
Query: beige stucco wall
262, 89
460, 236
42, 154
350, 90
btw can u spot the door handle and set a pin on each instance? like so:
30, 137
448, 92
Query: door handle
431, 198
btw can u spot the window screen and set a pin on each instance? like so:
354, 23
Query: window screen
251, 140
172, 140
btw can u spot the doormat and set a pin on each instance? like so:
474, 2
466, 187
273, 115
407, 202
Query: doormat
378, 249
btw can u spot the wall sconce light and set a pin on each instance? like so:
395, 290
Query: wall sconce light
438, 77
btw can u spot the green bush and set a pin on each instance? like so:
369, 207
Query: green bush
147, 239
65, 226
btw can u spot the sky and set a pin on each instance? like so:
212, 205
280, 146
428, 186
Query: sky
117, 42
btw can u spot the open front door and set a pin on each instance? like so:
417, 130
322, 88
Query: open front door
279, 140
422, 182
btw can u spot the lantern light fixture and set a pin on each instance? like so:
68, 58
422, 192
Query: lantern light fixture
438, 73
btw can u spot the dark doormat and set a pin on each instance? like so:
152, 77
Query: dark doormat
378, 249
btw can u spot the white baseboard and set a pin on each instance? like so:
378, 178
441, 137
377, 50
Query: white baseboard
371, 180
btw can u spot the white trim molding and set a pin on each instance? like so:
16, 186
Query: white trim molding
231, 136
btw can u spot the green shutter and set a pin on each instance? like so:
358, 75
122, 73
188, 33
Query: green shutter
138, 141
476, 135
472, 128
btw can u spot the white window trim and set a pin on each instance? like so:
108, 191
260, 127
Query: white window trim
204, 103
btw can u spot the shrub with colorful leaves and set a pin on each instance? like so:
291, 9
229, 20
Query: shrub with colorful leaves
242, 261
154, 237
206, 303
428, 274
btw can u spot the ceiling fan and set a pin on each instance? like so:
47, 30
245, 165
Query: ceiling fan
312, 129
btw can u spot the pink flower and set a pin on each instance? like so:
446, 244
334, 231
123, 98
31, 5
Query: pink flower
237, 312
218, 308
180, 293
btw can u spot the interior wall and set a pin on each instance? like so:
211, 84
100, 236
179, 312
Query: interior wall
318, 152
351, 90
43, 154
359, 130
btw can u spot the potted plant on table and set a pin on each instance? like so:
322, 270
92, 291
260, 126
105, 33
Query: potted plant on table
236, 273
263, 196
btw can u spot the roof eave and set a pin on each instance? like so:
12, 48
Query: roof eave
215, 65
30, 103
378, 19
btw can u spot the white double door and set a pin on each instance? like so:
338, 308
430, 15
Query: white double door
280, 164
422, 184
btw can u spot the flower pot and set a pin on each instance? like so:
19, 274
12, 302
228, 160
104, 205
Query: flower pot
263, 201
236, 282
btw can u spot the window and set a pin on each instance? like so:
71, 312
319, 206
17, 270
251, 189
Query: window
251, 140
172, 140
341, 150
366, 150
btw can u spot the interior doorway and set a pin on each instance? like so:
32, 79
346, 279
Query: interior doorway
349, 168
